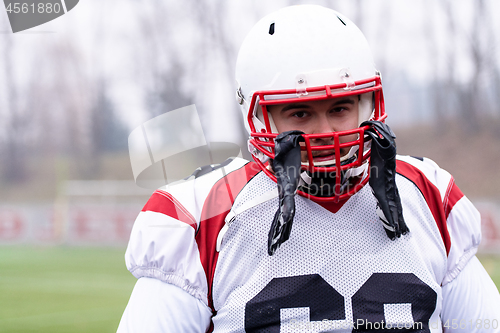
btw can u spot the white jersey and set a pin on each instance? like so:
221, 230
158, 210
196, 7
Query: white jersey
337, 272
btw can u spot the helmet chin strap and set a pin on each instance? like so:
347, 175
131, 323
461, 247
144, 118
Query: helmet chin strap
383, 179
323, 183
286, 166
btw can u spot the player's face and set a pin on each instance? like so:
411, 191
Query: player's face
325, 116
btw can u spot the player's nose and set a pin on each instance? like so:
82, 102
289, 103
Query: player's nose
323, 125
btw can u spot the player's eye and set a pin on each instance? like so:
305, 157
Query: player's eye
339, 109
299, 114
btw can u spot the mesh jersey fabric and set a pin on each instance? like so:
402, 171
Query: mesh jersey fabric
345, 249
338, 271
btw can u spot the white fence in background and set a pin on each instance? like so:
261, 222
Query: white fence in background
72, 224
102, 213
490, 226
85, 213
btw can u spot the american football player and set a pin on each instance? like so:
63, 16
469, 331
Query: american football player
327, 229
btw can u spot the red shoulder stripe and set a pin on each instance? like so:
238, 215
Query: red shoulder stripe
453, 194
164, 203
432, 197
216, 207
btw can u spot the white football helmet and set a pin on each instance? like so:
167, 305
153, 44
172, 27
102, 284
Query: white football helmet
308, 53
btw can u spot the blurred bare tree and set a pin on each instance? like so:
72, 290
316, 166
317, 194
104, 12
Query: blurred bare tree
471, 101
109, 133
160, 59
175, 73
472, 96
16, 122
221, 44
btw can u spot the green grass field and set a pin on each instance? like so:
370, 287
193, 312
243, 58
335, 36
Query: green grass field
62, 289
72, 289
492, 265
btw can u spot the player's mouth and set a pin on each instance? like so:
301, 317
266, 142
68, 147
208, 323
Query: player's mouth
326, 155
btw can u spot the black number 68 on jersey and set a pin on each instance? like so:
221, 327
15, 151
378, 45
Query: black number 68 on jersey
381, 298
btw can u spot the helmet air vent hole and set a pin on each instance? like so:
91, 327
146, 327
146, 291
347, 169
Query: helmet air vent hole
341, 20
271, 29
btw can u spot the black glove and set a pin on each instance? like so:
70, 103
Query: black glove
286, 166
383, 178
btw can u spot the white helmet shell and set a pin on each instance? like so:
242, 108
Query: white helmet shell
302, 46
